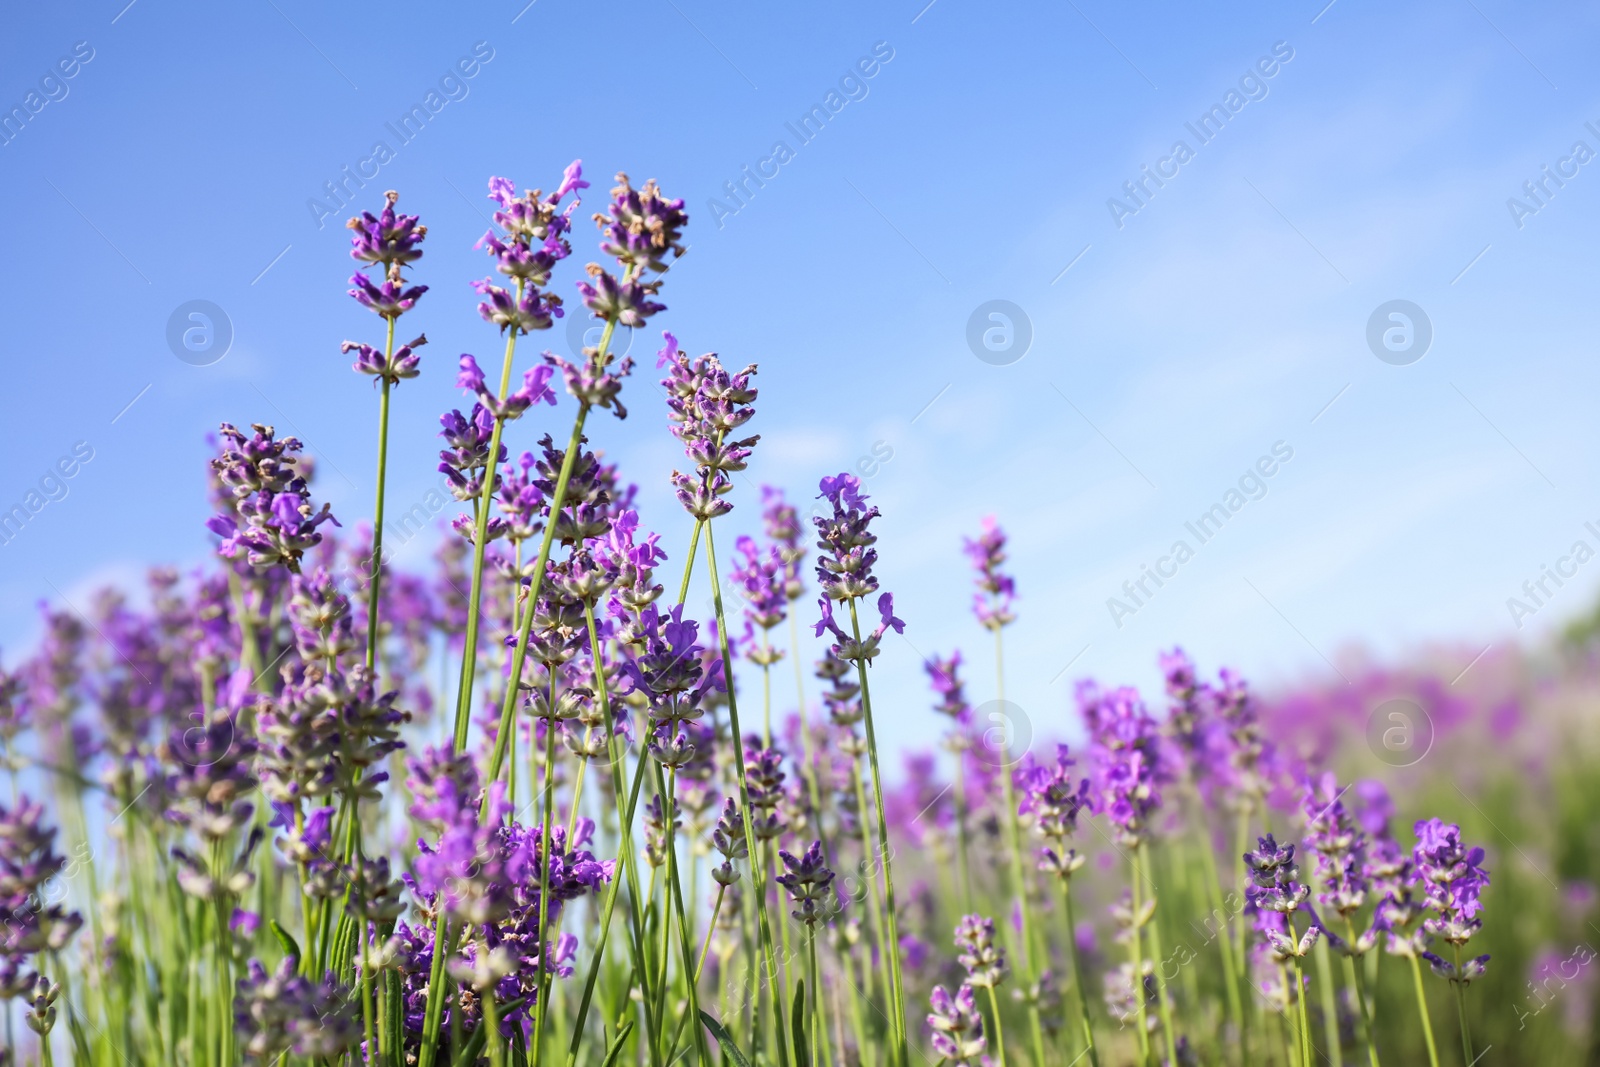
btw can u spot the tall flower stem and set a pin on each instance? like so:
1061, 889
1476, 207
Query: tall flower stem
1077, 974
874, 894
1422, 1013
897, 1013
376, 575
1032, 951
619, 787
520, 653
480, 542
1461, 1013
744, 797
1163, 998
1300, 998
1230, 967
1352, 975
999, 1030
548, 814
1136, 960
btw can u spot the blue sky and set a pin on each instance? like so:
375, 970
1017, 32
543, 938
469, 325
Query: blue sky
1172, 346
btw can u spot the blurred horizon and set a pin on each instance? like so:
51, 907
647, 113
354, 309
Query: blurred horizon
1180, 327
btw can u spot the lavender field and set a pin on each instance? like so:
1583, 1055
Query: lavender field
534, 804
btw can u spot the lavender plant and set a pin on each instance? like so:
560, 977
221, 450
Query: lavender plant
247, 822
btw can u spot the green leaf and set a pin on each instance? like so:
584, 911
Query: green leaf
290, 946
797, 1023
616, 1046
725, 1040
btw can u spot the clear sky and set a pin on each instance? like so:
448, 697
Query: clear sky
1334, 159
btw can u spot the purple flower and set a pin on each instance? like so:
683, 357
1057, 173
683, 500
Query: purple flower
847, 646
807, 879
391, 299
28, 925
268, 517
945, 678
626, 303
992, 603
535, 387
1452, 880
1126, 747
284, 1012
467, 458
534, 242
844, 540
759, 579
669, 669
706, 404
1339, 844
984, 960
783, 528
641, 227
1273, 877
764, 778
1052, 802
957, 1027
389, 238
402, 365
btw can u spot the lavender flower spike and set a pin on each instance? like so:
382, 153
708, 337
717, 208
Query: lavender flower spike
992, 603
957, 1027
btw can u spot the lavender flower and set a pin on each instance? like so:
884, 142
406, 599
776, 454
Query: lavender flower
760, 579
534, 242
807, 879
957, 1027
1052, 802
465, 461
390, 238
1127, 750
706, 404
764, 778
28, 925
729, 841
996, 590
783, 528
269, 519
1452, 879
283, 1012
984, 960
1340, 848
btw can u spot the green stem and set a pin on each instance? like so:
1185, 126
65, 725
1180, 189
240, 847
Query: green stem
1352, 975
1136, 959
999, 1030
1230, 968
1077, 974
1461, 1013
544, 856
897, 1014
744, 796
1163, 999
519, 655
1032, 951
377, 512
1422, 1013
480, 542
